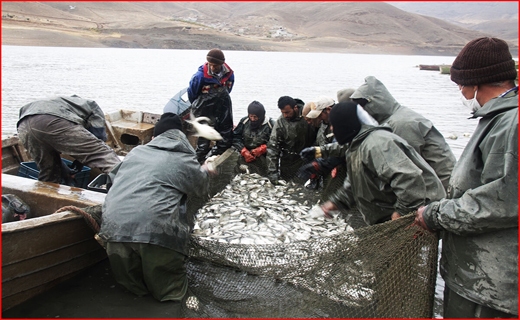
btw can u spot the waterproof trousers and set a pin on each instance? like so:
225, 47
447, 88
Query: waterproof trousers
456, 306
144, 268
46, 137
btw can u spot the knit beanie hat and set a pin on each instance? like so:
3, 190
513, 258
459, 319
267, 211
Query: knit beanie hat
215, 56
257, 109
483, 60
167, 122
344, 95
344, 120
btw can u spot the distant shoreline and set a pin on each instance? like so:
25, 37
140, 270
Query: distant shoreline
30, 36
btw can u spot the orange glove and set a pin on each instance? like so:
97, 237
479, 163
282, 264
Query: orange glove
258, 151
247, 155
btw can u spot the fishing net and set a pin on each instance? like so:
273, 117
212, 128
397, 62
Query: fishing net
385, 270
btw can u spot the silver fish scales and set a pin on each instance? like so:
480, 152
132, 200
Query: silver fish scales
251, 210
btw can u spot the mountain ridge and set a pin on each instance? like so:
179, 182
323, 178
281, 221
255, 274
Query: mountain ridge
359, 27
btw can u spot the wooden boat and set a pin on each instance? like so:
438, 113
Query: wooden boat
41, 252
432, 67
44, 251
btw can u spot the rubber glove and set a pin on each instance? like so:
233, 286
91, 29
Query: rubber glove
260, 150
247, 155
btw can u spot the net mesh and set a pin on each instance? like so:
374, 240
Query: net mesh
385, 270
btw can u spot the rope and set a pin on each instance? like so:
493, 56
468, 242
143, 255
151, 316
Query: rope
88, 218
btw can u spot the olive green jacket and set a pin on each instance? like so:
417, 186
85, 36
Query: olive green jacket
287, 139
418, 131
385, 174
479, 220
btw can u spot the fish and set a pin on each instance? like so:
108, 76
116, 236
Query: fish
203, 130
251, 210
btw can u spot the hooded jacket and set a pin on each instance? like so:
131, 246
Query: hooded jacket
86, 113
244, 136
385, 174
418, 131
146, 202
479, 220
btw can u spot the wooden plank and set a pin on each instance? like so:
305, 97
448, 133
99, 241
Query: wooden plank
33, 264
40, 277
40, 239
20, 297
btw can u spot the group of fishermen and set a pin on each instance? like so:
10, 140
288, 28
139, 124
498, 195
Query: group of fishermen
393, 162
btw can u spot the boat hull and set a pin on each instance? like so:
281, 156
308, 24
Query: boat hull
41, 252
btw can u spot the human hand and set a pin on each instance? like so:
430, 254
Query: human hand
395, 215
260, 150
248, 157
308, 154
273, 178
327, 207
309, 170
419, 219
209, 167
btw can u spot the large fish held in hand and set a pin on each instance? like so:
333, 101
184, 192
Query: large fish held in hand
203, 130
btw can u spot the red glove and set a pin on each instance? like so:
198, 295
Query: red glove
258, 151
247, 155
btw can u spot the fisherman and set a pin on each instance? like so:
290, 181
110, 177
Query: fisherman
323, 169
418, 131
479, 219
315, 123
208, 92
386, 177
344, 94
65, 125
250, 138
145, 221
291, 133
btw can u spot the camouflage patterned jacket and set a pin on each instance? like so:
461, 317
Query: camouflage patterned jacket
287, 139
244, 136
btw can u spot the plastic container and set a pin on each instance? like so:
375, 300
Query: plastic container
30, 170
99, 184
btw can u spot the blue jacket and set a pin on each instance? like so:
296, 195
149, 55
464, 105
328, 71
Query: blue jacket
203, 82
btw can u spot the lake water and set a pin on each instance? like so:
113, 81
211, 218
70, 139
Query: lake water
145, 79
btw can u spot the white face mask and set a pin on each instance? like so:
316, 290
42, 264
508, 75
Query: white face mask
471, 103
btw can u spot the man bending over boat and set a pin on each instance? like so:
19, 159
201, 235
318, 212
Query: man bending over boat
68, 125
145, 221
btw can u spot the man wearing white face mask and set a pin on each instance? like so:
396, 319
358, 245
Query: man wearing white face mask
479, 219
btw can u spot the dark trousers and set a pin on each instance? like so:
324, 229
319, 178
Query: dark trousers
146, 268
456, 306
46, 137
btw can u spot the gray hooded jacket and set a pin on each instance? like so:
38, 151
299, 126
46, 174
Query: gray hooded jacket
418, 131
86, 113
385, 174
146, 203
480, 218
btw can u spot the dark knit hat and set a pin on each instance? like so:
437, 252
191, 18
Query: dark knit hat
483, 60
215, 56
344, 120
167, 122
257, 109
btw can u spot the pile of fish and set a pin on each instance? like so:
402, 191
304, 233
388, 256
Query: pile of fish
251, 210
